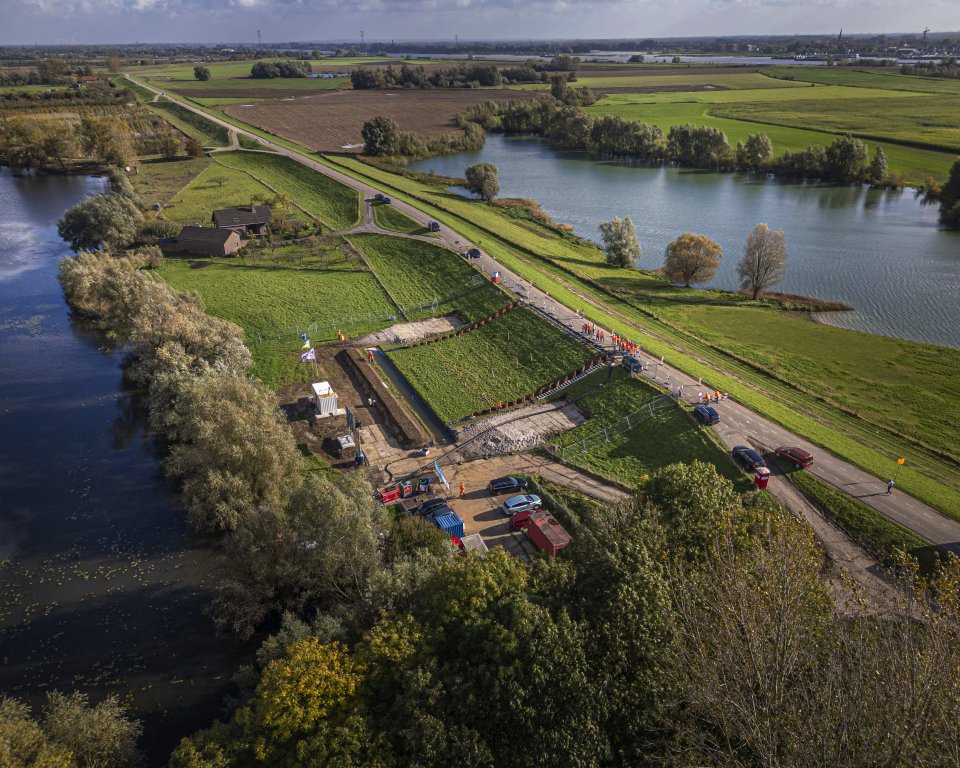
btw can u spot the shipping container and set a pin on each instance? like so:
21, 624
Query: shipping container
324, 398
450, 524
547, 534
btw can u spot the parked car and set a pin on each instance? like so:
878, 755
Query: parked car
520, 503
796, 456
428, 506
507, 484
474, 253
705, 414
435, 514
381, 198
748, 457
434, 226
521, 520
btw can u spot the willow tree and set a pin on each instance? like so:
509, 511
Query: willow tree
692, 259
764, 260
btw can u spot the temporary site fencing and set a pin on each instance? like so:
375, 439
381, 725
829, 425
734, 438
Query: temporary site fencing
328, 327
628, 422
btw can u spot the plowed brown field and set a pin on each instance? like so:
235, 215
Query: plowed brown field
331, 121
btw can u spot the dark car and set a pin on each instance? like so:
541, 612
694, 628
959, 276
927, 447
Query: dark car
433, 514
474, 253
796, 456
507, 485
705, 414
381, 198
428, 506
434, 226
748, 457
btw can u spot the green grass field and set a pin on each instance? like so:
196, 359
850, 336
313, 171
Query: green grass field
390, 218
572, 274
332, 203
887, 78
696, 79
503, 360
734, 112
279, 295
417, 274
192, 124
669, 436
196, 202
157, 180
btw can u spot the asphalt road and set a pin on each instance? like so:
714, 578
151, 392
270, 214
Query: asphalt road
738, 425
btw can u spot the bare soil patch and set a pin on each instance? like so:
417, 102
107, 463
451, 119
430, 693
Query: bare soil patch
404, 333
331, 121
517, 430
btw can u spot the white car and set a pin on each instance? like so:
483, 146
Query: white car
520, 504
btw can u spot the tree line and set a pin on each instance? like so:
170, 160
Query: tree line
465, 75
267, 70
689, 625
383, 137
947, 68
566, 125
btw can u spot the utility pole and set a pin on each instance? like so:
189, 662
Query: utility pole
361, 38
259, 38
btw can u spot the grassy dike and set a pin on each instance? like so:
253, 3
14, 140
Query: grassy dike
929, 477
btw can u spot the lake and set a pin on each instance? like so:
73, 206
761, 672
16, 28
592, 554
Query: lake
879, 251
104, 587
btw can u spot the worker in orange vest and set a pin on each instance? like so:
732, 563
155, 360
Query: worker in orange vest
462, 490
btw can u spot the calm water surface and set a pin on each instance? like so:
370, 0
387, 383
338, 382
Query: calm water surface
881, 252
103, 587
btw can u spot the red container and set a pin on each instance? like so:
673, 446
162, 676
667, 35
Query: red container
762, 477
547, 534
389, 494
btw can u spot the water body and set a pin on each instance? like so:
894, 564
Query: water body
881, 252
103, 587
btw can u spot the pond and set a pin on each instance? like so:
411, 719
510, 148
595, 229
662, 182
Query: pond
881, 252
104, 587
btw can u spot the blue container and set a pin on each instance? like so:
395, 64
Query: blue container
450, 524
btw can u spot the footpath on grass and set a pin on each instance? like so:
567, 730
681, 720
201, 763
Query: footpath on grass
739, 425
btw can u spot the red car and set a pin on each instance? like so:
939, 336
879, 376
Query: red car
521, 520
796, 456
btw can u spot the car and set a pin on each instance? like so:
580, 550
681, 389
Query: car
381, 198
434, 226
506, 485
520, 503
521, 520
428, 506
748, 457
474, 253
796, 456
705, 414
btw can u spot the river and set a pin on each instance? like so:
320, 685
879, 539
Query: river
103, 587
879, 251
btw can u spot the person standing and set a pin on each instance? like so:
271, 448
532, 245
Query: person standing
890, 485
462, 490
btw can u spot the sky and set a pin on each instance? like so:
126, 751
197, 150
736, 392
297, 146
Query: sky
237, 21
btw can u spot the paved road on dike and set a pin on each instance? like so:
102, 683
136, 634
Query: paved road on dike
738, 425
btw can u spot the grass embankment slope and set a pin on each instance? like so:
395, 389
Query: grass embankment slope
388, 217
847, 391
670, 435
193, 125
334, 204
504, 360
195, 202
427, 280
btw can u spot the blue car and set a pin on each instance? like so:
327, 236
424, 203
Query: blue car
705, 414
748, 457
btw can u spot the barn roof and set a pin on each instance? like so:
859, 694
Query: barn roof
243, 216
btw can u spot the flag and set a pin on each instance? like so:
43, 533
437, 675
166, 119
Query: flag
440, 477
901, 461
306, 344
310, 354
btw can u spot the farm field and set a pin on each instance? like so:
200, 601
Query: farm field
195, 203
157, 180
694, 80
567, 272
282, 293
882, 77
669, 436
390, 218
417, 273
715, 109
331, 122
329, 201
503, 360
191, 124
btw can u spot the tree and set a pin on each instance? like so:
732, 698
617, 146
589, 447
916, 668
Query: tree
756, 153
949, 197
201, 73
620, 242
219, 180
97, 736
847, 159
168, 145
381, 136
114, 63
692, 259
878, 170
110, 220
482, 180
193, 147
764, 260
